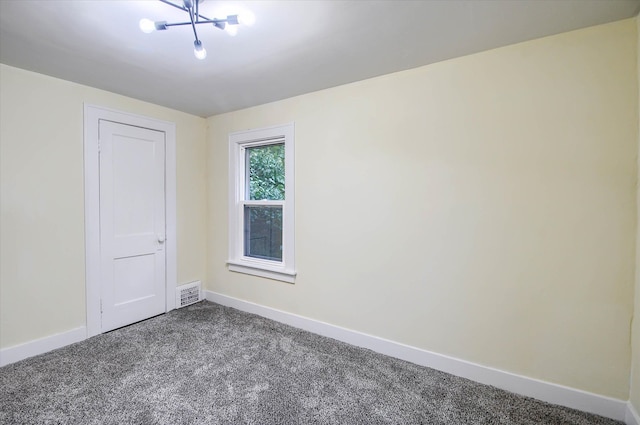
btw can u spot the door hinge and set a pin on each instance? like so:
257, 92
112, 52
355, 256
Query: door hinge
100, 306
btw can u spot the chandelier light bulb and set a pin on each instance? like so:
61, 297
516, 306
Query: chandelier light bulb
198, 50
247, 18
232, 30
147, 26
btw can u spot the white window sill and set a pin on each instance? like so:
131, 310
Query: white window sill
257, 270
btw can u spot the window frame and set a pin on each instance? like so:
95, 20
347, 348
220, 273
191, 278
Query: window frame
238, 262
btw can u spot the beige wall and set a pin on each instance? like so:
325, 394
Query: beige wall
483, 207
634, 396
42, 273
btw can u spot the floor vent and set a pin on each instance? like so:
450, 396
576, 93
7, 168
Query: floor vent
188, 294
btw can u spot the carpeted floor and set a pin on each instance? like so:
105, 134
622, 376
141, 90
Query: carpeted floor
208, 364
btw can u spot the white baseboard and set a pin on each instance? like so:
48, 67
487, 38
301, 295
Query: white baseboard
530, 387
632, 417
39, 346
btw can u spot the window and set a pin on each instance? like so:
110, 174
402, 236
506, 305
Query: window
261, 207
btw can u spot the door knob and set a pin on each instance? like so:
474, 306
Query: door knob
161, 238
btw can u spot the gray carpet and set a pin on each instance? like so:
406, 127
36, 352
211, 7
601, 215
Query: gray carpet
208, 364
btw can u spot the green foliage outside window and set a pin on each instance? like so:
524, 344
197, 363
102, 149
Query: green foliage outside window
266, 172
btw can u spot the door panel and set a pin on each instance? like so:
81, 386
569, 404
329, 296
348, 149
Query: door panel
132, 224
136, 277
134, 164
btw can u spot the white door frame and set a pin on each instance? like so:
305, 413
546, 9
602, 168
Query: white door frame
92, 116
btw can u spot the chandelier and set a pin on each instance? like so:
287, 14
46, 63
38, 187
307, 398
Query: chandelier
229, 24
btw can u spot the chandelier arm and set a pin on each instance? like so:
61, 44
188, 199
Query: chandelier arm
177, 6
209, 21
193, 24
181, 24
205, 18
177, 24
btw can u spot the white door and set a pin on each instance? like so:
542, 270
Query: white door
132, 224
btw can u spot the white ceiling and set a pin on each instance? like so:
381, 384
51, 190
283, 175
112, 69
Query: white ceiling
294, 47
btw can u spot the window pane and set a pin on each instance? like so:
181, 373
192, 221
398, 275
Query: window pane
263, 232
265, 172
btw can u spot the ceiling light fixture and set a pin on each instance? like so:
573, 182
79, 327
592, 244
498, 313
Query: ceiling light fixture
229, 23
